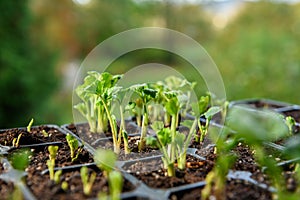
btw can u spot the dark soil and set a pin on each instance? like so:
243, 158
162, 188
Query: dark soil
43, 188
295, 113
235, 190
262, 104
34, 137
6, 189
152, 173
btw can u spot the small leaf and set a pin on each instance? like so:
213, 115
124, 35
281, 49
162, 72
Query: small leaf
172, 106
164, 136
105, 159
256, 126
157, 126
179, 140
187, 123
212, 111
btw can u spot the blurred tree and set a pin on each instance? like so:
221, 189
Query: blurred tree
26, 68
258, 52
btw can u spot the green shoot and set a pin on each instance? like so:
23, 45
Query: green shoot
97, 93
51, 162
64, 186
256, 127
105, 160
16, 141
290, 122
29, 125
86, 180
182, 142
146, 95
57, 176
201, 108
74, 145
115, 182
45, 134
163, 141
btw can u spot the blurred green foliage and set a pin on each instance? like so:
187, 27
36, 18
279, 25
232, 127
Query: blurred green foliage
257, 52
26, 68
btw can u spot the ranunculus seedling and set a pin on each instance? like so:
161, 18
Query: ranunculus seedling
29, 125
87, 180
97, 93
106, 160
255, 127
51, 162
74, 146
201, 108
145, 95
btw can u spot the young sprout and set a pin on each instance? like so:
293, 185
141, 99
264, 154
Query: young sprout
51, 162
105, 160
145, 95
16, 141
64, 185
74, 146
57, 176
29, 125
201, 108
256, 127
97, 93
87, 180
290, 122
45, 134
162, 141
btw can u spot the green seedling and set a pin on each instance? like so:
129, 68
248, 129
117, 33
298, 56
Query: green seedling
97, 93
290, 122
16, 141
51, 162
29, 125
184, 89
105, 160
145, 96
45, 134
166, 143
202, 109
74, 146
64, 186
57, 176
163, 141
256, 127
87, 180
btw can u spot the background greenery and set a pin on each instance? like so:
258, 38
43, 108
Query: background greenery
42, 41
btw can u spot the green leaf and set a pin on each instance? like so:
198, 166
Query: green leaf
203, 104
105, 159
151, 141
164, 136
20, 159
157, 126
187, 123
212, 111
256, 126
172, 106
179, 140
